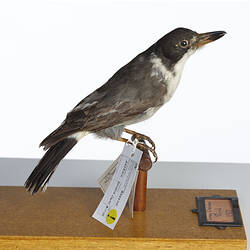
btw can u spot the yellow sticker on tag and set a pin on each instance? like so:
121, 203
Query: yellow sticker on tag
111, 216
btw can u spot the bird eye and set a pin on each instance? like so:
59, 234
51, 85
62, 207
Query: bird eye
184, 43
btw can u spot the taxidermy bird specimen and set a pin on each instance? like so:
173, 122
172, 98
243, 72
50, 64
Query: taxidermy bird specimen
133, 94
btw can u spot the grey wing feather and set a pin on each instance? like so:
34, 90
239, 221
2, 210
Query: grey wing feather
129, 93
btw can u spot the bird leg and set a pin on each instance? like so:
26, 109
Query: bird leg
140, 137
141, 145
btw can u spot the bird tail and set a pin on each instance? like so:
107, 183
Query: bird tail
47, 165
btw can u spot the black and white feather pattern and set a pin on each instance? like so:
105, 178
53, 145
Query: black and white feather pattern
133, 94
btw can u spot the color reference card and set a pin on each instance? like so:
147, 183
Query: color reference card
115, 198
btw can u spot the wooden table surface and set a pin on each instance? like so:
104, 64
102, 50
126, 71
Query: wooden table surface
61, 218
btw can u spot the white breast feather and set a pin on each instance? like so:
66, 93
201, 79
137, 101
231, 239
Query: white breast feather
170, 78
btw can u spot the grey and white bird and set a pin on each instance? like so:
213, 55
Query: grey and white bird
133, 94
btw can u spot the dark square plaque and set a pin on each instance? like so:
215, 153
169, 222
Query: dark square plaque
218, 211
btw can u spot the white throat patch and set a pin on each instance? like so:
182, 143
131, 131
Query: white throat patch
170, 78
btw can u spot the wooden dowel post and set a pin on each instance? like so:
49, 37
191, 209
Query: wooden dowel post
141, 191
141, 185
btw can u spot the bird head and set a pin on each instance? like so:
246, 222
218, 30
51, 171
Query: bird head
182, 41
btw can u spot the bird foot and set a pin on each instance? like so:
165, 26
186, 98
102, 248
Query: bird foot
140, 137
141, 142
144, 147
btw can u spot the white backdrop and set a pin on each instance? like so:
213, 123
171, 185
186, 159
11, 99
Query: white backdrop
54, 53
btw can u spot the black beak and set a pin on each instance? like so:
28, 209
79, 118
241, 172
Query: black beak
208, 37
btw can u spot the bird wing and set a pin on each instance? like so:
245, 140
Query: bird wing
129, 93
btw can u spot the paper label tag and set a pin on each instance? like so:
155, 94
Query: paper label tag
131, 198
105, 179
112, 204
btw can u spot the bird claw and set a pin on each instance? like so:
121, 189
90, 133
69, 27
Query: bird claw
144, 146
140, 137
141, 142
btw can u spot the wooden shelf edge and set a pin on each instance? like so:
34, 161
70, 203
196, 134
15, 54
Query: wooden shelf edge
59, 242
